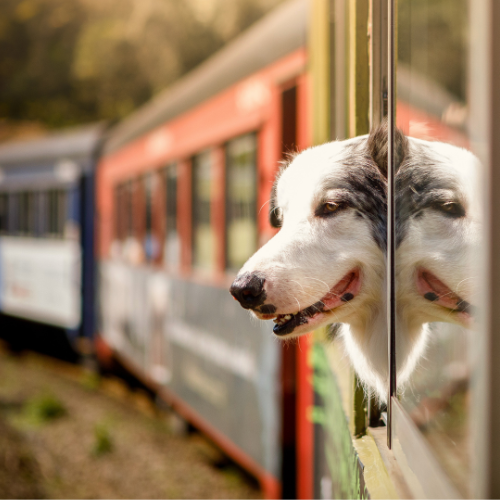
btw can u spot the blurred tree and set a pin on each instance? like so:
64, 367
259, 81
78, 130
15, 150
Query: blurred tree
70, 61
433, 38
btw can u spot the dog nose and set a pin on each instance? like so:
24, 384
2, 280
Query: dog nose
248, 290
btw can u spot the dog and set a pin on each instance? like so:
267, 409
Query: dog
438, 231
327, 263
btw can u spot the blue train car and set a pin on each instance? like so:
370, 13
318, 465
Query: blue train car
47, 231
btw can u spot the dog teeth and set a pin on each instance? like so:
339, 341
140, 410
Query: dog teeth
282, 319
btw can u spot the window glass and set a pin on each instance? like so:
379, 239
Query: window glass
241, 194
39, 223
172, 243
203, 236
13, 212
150, 242
4, 213
438, 223
119, 214
26, 215
128, 208
56, 212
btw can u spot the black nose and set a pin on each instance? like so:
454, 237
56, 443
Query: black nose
248, 290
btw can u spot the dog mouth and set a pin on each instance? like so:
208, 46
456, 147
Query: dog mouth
344, 291
434, 290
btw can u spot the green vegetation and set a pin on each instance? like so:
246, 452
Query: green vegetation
341, 458
103, 442
42, 409
433, 39
66, 62
90, 380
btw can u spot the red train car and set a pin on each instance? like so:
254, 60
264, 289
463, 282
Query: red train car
182, 195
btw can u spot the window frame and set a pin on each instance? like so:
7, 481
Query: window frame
417, 462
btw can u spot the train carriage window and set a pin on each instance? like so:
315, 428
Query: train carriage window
4, 214
56, 212
116, 213
39, 202
203, 235
241, 194
13, 213
26, 213
151, 237
172, 243
124, 222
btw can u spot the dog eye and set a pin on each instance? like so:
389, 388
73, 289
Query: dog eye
451, 208
276, 217
330, 207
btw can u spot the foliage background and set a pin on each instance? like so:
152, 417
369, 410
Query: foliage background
65, 62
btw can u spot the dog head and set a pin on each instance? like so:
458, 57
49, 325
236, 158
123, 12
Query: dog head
438, 232
326, 264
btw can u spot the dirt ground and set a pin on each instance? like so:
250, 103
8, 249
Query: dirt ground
65, 433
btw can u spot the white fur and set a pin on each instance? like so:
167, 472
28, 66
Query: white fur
445, 246
309, 255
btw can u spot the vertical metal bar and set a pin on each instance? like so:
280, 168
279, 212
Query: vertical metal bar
483, 112
378, 62
485, 126
391, 219
378, 110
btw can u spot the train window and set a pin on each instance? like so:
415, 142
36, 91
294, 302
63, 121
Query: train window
241, 194
26, 213
203, 235
13, 212
40, 203
172, 242
4, 214
151, 237
118, 232
128, 203
432, 41
56, 212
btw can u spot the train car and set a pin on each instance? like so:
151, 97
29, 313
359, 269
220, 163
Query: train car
182, 194
177, 220
181, 202
47, 233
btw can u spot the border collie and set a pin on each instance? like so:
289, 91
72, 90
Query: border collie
327, 262
438, 231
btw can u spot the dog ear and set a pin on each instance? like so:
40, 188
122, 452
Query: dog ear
378, 143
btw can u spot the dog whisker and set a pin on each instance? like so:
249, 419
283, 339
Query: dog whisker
265, 203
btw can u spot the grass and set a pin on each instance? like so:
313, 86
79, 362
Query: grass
103, 442
43, 408
90, 380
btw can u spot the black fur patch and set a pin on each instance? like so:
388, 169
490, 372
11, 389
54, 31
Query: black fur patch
267, 309
347, 297
333, 330
275, 215
420, 185
378, 146
464, 306
366, 191
431, 296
